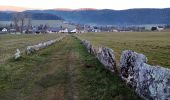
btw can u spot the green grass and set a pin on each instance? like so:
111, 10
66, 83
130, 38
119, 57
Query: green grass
64, 71
97, 83
155, 45
9, 43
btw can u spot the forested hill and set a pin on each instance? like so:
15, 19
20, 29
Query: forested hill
6, 16
102, 17
114, 17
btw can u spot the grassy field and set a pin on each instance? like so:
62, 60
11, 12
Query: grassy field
155, 45
63, 71
9, 43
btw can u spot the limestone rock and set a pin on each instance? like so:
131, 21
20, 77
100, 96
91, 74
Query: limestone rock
104, 55
150, 82
107, 57
34, 48
17, 54
89, 46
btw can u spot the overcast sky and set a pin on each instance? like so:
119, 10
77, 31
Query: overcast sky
98, 4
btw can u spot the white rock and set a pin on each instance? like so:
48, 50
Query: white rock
150, 82
104, 55
34, 48
17, 54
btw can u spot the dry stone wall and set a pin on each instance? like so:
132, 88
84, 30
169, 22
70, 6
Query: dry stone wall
34, 48
149, 82
105, 55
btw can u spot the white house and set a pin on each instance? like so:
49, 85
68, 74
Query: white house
114, 30
74, 31
96, 30
64, 31
159, 28
4, 30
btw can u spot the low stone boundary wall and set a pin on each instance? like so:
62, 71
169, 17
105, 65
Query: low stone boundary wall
149, 82
34, 48
105, 55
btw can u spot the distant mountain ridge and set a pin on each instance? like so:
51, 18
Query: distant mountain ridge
7, 16
110, 17
113, 17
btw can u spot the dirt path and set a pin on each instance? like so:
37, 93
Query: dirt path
57, 81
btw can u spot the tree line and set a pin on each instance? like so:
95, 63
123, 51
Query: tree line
20, 20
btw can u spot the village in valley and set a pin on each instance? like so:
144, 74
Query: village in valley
26, 25
78, 28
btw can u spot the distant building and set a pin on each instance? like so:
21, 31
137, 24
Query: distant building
53, 30
96, 30
114, 30
64, 31
153, 28
74, 31
12, 30
3, 30
160, 28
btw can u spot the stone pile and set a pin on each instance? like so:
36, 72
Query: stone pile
105, 55
150, 82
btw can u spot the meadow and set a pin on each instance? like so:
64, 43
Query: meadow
155, 45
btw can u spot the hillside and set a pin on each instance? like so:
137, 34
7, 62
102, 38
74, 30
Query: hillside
114, 17
101, 17
7, 16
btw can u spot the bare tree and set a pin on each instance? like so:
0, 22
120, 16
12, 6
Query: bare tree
22, 18
29, 21
29, 26
19, 21
15, 18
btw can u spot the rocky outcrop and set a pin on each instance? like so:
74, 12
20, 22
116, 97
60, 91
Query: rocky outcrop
150, 82
105, 55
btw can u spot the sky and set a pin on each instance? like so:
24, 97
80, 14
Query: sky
98, 4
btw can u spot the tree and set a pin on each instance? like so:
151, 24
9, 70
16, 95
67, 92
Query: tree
29, 26
15, 18
19, 21
22, 18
